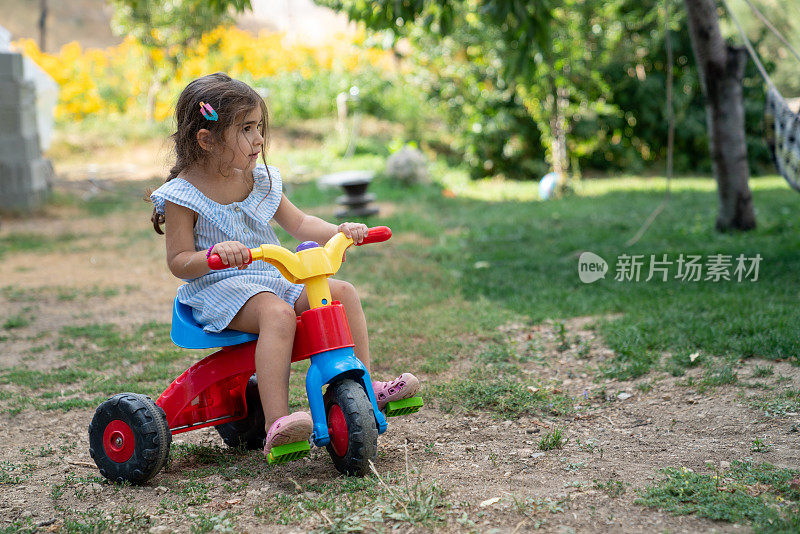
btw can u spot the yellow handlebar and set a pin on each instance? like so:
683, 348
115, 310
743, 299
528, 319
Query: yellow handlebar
308, 263
311, 264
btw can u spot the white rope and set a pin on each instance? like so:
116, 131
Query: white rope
749, 46
670, 131
773, 29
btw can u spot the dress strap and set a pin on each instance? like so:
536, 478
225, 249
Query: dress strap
179, 191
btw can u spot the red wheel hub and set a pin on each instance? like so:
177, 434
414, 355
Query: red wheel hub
118, 441
337, 430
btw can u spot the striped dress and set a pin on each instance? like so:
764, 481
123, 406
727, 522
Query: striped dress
216, 297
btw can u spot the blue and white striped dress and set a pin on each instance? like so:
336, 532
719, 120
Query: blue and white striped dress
217, 297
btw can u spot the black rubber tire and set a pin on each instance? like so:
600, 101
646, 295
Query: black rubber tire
248, 432
150, 431
362, 431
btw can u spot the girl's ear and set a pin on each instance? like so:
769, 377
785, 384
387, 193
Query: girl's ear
205, 139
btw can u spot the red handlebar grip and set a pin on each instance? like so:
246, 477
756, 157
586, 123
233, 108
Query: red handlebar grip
215, 262
376, 235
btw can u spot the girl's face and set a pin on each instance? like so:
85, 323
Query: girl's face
244, 141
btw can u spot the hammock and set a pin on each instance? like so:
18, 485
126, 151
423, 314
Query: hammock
782, 127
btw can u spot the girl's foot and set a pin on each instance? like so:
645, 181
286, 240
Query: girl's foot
402, 387
289, 429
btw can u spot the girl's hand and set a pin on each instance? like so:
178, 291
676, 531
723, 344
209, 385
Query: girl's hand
232, 253
356, 231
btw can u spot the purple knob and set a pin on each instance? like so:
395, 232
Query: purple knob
306, 245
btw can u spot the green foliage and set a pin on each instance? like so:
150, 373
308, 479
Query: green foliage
599, 66
635, 71
501, 395
171, 28
493, 132
16, 321
759, 445
178, 22
26, 242
522, 26
787, 401
95, 353
722, 375
553, 439
381, 94
746, 493
612, 487
224, 522
783, 15
763, 371
353, 504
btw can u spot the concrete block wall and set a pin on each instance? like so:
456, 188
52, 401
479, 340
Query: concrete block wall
25, 175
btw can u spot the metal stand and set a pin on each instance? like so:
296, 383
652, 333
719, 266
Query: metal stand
355, 201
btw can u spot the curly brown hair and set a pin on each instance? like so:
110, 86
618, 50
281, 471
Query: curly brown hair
232, 100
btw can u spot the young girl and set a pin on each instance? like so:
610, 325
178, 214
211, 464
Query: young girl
218, 200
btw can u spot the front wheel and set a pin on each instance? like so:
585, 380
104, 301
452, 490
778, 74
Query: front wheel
352, 428
129, 438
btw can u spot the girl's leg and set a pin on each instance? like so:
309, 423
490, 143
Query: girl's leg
274, 321
347, 295
402, 387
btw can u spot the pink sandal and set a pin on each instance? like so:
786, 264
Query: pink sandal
288, 429
402, 387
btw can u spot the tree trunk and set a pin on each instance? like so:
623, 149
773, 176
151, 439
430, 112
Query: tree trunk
559, 132
557, 102
43, 25
721, 71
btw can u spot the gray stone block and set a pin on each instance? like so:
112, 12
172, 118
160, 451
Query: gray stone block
13, 94
11, 66
17, 99
18, 148
16, 122
24, 175
24, 185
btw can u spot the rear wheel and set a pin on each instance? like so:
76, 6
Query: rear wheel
248, 432
351, 426
129, 438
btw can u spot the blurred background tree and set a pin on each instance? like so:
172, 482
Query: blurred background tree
584, 82
510, 89
168, 29
784, 15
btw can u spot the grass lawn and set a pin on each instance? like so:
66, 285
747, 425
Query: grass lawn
504, 259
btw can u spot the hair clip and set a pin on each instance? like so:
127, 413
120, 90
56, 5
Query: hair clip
208, 112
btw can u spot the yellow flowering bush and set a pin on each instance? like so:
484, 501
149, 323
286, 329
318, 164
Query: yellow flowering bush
301, 80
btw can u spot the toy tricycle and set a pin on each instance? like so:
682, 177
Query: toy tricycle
130, 435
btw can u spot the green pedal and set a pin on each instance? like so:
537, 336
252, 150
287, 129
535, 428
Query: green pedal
403, 407
288, 452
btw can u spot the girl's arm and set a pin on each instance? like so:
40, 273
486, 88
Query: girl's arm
304, 227
183, 260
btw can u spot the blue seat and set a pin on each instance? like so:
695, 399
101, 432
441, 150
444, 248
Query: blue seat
187, 333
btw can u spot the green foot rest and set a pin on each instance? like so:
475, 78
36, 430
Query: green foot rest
403, 407
288, 452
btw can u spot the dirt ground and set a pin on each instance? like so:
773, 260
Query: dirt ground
487, 466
